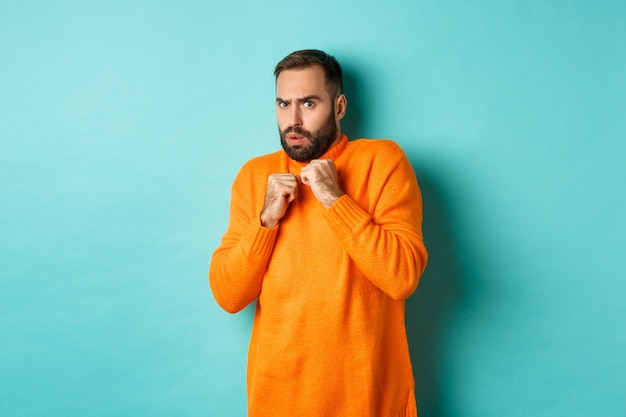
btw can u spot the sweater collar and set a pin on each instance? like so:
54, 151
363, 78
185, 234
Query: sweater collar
333, 153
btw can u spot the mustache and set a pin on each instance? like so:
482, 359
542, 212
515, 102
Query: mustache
298, 131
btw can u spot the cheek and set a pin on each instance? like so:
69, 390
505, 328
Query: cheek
315, 121
281, 120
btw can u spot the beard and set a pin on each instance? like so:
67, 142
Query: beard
319, 141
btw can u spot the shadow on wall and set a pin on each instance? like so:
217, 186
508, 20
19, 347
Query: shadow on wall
440, 292
429, 310
351, 124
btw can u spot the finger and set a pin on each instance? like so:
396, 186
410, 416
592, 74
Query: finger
304, 176
290, 192
286, 184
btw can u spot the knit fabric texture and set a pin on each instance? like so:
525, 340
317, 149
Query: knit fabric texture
328, 337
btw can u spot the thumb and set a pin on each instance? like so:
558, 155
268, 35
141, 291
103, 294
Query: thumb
304, 179
292, 195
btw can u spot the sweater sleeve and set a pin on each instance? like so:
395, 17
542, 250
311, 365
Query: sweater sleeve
238, 265
386, 244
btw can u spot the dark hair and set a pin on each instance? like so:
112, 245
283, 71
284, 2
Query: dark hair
309, 57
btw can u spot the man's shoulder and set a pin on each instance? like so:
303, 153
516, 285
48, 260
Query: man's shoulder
267, 161
254, 172
385, 148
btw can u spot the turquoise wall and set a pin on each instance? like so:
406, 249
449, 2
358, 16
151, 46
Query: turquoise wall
123, 123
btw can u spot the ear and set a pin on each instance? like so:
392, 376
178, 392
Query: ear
341, 104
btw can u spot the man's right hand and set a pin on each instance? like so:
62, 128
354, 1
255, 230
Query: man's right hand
281, 190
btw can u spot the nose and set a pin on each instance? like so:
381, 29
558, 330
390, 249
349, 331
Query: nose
295, 118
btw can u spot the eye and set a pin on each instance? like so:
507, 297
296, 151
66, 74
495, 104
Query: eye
283, 104
308, 104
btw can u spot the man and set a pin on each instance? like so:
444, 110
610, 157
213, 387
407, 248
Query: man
325, 235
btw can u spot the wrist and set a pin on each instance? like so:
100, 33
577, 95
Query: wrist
267, 222
332, 199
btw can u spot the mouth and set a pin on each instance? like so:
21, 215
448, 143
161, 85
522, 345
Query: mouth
294, 139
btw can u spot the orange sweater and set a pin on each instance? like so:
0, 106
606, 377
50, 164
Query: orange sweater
328, 338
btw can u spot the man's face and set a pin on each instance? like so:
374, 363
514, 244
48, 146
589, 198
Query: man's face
308, 120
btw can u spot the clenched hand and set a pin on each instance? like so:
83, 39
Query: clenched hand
321, 176
281, 190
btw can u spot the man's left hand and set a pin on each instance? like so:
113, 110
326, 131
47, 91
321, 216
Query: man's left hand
321, 176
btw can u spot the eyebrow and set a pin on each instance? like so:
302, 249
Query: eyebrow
301, 99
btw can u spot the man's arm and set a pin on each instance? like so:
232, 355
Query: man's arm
239, 263
386, 246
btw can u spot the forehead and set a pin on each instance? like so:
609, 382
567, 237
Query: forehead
301, 82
